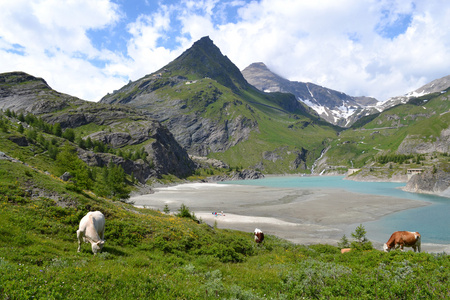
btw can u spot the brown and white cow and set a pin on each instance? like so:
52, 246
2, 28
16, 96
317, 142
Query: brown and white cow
403, 239
92, 230
259, 235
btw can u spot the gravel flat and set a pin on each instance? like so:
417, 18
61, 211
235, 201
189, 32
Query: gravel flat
303, 216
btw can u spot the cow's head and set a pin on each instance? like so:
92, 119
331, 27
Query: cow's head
386, 248
97, 246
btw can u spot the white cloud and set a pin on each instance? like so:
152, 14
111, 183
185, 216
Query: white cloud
336, 43
378, 48
54, 45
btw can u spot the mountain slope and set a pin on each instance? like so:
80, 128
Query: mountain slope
384, 145
333, 106
211, 109
204, 60
436, 86
119, 127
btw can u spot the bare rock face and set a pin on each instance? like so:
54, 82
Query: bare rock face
430, 182
416, 144
247, 174
22, 92
241, 175
201, 136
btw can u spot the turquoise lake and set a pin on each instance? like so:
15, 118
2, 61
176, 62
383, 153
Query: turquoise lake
432, 221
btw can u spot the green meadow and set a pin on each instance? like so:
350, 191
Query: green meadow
154, 255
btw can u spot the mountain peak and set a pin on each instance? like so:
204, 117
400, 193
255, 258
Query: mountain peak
204, 59
206, 40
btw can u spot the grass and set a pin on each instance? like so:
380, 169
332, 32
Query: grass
150, 254
153, 255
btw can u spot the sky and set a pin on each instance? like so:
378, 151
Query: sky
88, 48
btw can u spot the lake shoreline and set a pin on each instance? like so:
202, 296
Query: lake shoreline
302, 216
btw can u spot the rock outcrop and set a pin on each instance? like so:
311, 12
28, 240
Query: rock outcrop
241, 175
433, 181
22, 92
414, 144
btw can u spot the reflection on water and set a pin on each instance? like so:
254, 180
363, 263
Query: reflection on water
432, 221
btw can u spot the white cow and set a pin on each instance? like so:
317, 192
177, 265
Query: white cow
92, 230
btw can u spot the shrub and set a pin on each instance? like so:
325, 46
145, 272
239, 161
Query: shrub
361, 242
184, 212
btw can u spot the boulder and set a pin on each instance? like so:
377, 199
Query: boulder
66, 176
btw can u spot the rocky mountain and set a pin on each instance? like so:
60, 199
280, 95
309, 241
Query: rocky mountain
211, 109
114, 125
434, 87
333, 106
201, 105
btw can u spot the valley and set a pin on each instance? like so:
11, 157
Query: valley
198, 120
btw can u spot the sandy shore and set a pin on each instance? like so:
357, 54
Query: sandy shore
303, 216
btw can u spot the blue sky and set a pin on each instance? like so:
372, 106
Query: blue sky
88, 48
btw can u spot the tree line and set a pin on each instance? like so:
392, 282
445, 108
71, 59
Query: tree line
107, 181
399, 158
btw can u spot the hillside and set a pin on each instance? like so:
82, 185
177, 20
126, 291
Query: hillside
121, 130
385, 145
149, 254
204, 100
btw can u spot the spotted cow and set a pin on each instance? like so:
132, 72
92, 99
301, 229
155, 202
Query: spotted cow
401, 239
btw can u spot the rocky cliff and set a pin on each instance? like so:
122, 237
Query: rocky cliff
432, 181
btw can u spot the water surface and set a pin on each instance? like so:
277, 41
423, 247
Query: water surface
431, 221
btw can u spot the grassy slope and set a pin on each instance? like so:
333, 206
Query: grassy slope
152, 255
149, 254
278, 130
386, 132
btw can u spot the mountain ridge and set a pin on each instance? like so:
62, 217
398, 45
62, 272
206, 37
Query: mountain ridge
438, 85
333, 106
236, 124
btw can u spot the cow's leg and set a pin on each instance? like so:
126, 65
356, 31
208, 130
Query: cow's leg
414, 248
80, 236
418, 248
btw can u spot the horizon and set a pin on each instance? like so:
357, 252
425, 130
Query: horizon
90, 48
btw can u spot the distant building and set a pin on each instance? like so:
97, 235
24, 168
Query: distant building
412, 172
351, 171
